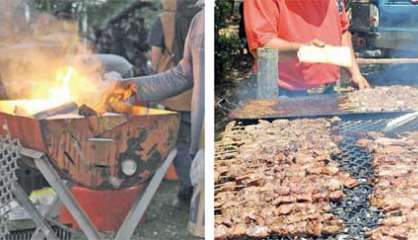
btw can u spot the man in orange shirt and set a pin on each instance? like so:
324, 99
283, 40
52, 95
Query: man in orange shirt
287, 25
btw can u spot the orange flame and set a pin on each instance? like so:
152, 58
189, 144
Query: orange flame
69, 85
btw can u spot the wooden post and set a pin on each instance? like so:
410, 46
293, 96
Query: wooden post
267, 73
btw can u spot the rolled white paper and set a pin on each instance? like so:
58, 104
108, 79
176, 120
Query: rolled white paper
340, 56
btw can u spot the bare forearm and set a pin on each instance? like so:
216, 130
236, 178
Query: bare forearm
287, 50
347, 42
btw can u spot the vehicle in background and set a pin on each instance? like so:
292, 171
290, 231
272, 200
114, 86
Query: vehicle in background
385, 27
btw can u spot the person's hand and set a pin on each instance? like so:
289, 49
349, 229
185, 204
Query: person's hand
360, 81
113, 91
317, 43
117, 89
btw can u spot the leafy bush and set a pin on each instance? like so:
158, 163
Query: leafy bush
226, 52
223, 12
227, 42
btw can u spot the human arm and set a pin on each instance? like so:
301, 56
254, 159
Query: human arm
156, 41
261, 25
346, 41
155, 56
164, 85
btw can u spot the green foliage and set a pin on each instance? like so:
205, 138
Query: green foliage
223, 10
228, 46
97, 10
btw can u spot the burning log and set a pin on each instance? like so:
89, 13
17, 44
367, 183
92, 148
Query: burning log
61, 109
86, 111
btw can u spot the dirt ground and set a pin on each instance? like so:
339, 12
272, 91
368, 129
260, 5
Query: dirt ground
163, 221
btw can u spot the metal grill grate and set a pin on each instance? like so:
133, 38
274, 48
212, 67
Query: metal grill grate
9, 153
355, 210
60, 232
358, 215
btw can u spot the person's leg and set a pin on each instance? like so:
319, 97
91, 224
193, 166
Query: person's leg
183, 160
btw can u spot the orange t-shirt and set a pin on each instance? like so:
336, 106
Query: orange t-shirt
297, 21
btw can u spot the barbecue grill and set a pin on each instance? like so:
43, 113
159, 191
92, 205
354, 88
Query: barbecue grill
111, 151
91, 151
313, 106
354, 210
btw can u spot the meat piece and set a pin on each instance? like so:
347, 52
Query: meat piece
236, 170
258, 231
223, 197
337, 195
216, 176
221, 232
285, 209
239, 230
393, 220
333, 184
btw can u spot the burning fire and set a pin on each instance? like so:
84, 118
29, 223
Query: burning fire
69, 85
63, 91
48, 66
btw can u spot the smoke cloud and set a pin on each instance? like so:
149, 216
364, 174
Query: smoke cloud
35, 46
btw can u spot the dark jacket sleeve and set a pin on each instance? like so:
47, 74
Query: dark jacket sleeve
170, 83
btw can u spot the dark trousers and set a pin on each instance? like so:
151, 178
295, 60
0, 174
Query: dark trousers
183, 160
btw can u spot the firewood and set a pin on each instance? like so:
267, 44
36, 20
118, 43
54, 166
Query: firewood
61, 109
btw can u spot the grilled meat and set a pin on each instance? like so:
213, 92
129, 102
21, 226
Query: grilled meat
395, 192
383, 99
280, 182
